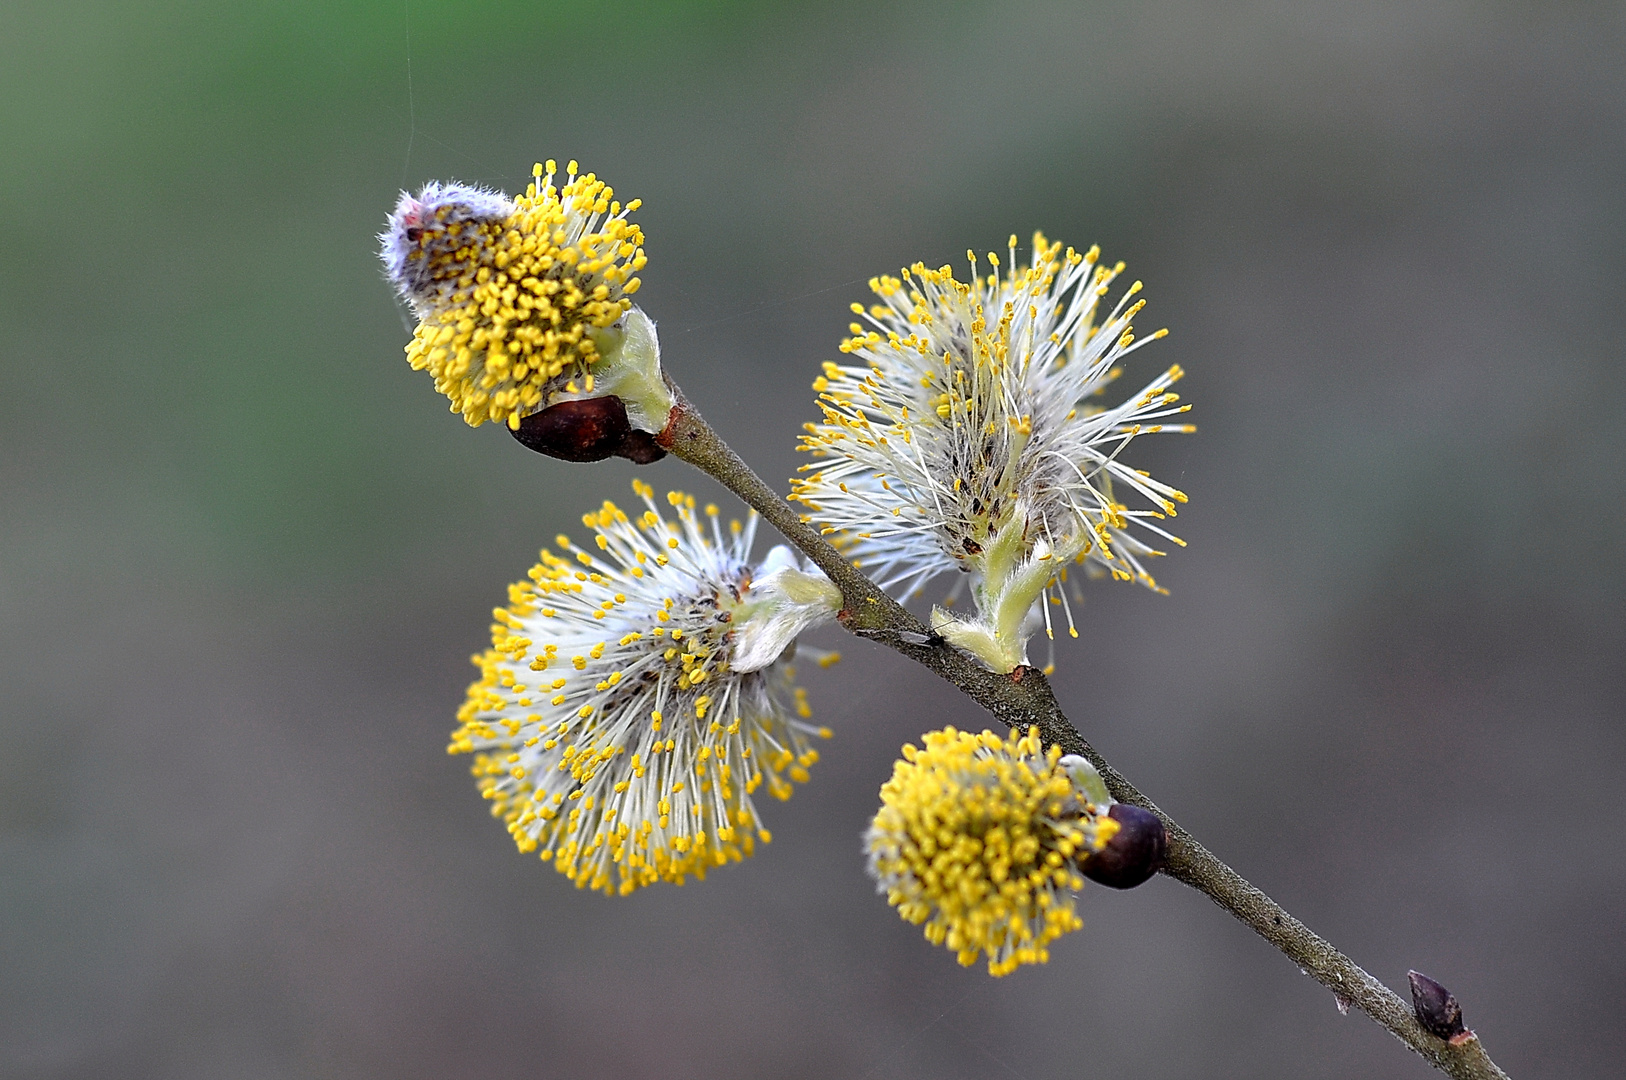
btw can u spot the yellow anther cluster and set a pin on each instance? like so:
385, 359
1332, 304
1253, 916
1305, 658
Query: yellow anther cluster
977, 838
963, 435
520, 300
609, 729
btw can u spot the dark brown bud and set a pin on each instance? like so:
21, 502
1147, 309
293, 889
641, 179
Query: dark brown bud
1135, 852
1437, 1010
588, 430
640, 448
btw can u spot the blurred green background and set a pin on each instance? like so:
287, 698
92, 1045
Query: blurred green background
245, 551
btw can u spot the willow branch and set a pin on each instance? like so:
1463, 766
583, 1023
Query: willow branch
1023, 697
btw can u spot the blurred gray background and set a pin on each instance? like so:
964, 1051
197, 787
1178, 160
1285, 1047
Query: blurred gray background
245, 552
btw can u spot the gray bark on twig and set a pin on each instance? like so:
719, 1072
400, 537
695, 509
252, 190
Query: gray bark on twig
1023, 697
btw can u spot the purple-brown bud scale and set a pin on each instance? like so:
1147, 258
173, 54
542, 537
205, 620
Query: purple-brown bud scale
1437, 1009
591, 429
1134, 853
